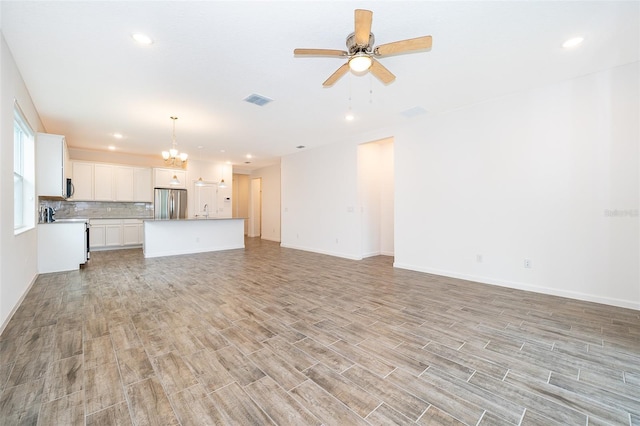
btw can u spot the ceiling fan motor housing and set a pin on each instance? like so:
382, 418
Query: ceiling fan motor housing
354, 48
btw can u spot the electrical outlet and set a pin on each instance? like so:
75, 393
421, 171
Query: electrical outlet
527, 263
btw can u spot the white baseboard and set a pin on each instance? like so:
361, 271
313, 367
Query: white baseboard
271, 239
18, 303
329, 253
527, 287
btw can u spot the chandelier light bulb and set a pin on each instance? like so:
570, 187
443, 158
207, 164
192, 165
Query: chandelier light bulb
174, 157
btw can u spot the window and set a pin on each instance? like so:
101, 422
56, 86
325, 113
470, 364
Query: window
23, 174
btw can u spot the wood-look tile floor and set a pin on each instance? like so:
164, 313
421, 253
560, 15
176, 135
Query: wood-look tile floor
268, 335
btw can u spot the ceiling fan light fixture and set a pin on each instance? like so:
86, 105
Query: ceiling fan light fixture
360, 62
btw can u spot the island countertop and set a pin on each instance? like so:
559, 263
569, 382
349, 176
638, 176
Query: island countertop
193, 219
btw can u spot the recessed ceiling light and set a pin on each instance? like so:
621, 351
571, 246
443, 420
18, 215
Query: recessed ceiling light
142, 38
248, 155
111, 148
117, 135
573, 42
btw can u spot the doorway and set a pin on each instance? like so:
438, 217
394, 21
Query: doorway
376, 190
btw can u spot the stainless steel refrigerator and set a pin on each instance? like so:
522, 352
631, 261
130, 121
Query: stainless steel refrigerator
170, 203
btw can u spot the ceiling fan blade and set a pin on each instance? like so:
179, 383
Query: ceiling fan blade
402, 46
336, 75
320, 52
382, 73
363, 20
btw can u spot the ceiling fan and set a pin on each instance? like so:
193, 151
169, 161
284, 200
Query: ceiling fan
360, 51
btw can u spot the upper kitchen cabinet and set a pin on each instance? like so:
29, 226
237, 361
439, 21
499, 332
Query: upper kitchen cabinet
162, 178
52, 166
109, 182
82, 180
103, 184
142, 184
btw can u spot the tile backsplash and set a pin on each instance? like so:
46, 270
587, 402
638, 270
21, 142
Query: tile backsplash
98, 209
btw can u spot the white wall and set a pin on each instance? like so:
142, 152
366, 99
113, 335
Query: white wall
241, 192
369, 181
375, 193
387, 195
270, 201
533, 176
320, 200
18, 267
550, 175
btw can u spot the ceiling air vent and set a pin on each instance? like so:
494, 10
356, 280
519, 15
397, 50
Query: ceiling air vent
413, 112
259, 100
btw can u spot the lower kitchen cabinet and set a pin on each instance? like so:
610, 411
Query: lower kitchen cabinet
113, 234
109, 234
61, 246
131, 232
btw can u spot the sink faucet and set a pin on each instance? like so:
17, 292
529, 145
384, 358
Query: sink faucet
206, 210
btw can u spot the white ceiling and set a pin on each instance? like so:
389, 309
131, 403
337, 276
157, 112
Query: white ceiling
89, 79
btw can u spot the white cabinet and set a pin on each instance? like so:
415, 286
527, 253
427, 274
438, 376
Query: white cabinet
108, 234
61, 246
142, 184
163, 177
131, 232
113, 234
103, 185
82, 181
52, 165
123, 183
96, 234
109, 182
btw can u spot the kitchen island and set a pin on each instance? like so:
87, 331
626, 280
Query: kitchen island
184, 236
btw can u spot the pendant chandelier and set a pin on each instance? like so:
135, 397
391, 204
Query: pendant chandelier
173, 157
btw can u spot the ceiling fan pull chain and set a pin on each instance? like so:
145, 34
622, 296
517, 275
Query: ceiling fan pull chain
370, 89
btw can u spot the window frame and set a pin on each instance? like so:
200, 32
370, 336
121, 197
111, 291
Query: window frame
23, 173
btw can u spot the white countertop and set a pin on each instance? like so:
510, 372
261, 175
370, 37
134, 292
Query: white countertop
74, 220
195, 219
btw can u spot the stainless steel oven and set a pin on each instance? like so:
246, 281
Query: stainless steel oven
87, 250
